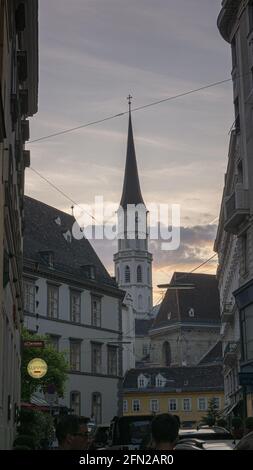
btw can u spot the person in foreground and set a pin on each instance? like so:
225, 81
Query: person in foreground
72, 433
164, 430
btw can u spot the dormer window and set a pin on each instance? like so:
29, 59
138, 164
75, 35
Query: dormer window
48, 258
89, 271
68, 237
160, 381
191, 312
57, 220
142, 381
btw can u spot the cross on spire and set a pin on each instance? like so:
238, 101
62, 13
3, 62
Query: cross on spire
129, 99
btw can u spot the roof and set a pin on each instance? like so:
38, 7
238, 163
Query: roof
214, 356
198, 305
45, 231
131, 188
142, 327
180, 379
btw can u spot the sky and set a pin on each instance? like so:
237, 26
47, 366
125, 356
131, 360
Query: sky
92, 54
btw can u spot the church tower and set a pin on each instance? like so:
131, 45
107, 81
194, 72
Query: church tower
133, 262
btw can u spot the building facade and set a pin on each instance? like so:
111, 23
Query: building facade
133, 262
187, 325
69, 296
183, 391
18, 101
228, 274
235, 23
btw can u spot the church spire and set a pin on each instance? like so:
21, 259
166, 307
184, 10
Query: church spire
131, 189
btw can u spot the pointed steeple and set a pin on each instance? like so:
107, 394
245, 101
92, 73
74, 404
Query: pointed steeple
131, 189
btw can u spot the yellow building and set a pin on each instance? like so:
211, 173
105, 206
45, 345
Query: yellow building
183, 391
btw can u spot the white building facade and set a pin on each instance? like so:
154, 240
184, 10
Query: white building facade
70, 297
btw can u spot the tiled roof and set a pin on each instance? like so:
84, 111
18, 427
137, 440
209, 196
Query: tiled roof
214, 356
198, 305
50, 230
142, 327
198, 378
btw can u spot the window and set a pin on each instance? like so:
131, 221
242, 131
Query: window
172, 404
112, 360
96, 407
216, 402
75, 355
118, 275
142, 381
154, 406
136, 406
127, 274
125, 406
139, 274
160, 381
96, 358
29, 296
148, 276
245, 256
187, 406
202, 404
54, 342
75, 306
48, 258
75, 403
234, 52
237, 116
166, 354
96, 311
145, 350
52, 301
140, 302
191, 312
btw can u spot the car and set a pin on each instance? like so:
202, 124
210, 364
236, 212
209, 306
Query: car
99, 438
134, 432
212, 438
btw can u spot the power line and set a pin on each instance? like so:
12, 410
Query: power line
60, 191
154, 103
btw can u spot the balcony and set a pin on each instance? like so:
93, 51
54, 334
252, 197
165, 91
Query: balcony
227, 313
236, 209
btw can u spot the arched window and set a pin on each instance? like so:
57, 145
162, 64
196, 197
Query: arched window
166, 354
140, 302
75, 402
118, 275
139, 274
96, 407
127, 274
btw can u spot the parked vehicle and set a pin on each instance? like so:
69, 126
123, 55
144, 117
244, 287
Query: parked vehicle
100, 436
134, 432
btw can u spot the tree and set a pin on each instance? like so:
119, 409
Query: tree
57, 368
212, 413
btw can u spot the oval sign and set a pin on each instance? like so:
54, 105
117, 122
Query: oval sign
37, 368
